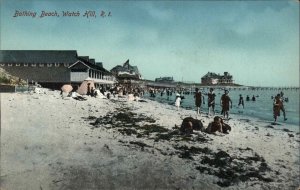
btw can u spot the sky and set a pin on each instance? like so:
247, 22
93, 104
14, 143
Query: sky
255, 41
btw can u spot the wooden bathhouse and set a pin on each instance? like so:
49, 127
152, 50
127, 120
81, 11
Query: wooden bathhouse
53, 68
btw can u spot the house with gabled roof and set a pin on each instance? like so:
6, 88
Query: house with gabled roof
126, 71
53, 68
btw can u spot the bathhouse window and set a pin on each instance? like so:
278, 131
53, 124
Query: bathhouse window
2, 64
33, 64
18, 64
9, 64
66, 64
49, 65
56, 64
25, 64
41, 65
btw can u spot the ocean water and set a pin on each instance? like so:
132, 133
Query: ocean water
262, 108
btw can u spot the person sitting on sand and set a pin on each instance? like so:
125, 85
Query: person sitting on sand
189, 124
218, 125
253, 98
215, 126
225, 102
177, 101
225, 127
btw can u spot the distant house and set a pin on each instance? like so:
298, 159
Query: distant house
126, 71
52, 68
165, 79
216, 79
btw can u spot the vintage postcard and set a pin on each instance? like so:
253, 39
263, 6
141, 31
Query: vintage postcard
149, 94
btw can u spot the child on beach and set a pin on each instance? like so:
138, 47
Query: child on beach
177, 101
225, 101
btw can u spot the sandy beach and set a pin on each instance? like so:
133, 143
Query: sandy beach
49, 142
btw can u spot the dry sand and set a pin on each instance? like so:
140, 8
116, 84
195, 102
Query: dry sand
52, 143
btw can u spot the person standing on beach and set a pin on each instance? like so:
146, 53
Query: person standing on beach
276, 107
225, 101
88, 89
282, 106
211, 100
177, 101
198, 100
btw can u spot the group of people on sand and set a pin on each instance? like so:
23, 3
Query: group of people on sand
190, 124
226, 103
217, 125
211, 96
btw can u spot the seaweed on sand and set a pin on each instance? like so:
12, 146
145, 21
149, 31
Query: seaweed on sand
232, 170
141, 144
154, 128
167, 136
127, 131
188, 152
123, 117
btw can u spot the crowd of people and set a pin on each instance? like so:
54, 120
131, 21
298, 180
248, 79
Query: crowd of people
199, 98
225, 101
102, 91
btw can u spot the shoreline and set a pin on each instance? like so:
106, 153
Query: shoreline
291, 126
57, 143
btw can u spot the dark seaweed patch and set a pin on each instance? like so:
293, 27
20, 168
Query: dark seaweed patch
154, 128
232, 170
122, 117
89, 118
127, 131
228, 169
168, 136
141, 144
287, 130
220, 159
188, 152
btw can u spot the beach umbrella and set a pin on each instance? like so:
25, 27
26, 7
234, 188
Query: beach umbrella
67, 88
82, 90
